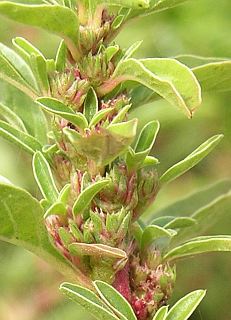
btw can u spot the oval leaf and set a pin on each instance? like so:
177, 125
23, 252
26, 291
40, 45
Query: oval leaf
186, 96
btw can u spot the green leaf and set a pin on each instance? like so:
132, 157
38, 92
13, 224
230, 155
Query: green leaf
87, 195
97, 250
200, 245
191, 160
11, 75
11, 117
193, 61
36, 61
39, 67
61, 57
214, 76
115, 300
57, 208
135, 4
132, 49
155, 6
20, 138
161, 313
147, 137
54, 18
159, 5
184, 308
104, 145
124, 129
180, 222
44, 178
99, 116
19, 64
152, 233
88, 300
111, 51
90, 105
22, 224
167, 77
121, 114
181, 77
195, 201
206, 216
26, 49
31, 115
57, 107
64, 194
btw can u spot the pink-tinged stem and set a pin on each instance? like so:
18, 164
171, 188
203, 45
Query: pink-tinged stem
122, 283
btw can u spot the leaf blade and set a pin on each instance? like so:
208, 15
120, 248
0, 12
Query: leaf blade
191, 160
183, 309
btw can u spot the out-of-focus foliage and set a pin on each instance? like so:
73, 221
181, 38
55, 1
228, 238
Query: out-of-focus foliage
198, 27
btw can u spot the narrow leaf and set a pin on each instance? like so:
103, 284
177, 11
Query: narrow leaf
115, 300
200, 245
161, 313
99, 116
184, 308
39, 67
132, 49
19, 64
97, 250
12, 118
147, 136
57, 208
20, 138
195, 201
61, 57
152, 233
191, 160
44, 178
57, 107
11, 75
90, 105
87, 195
88, 300
180, 222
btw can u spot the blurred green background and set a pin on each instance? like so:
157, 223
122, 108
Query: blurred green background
29, 288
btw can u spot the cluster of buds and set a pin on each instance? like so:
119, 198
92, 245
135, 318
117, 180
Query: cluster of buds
96, 69
133, 190
152, 283
69, 87
87, 234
